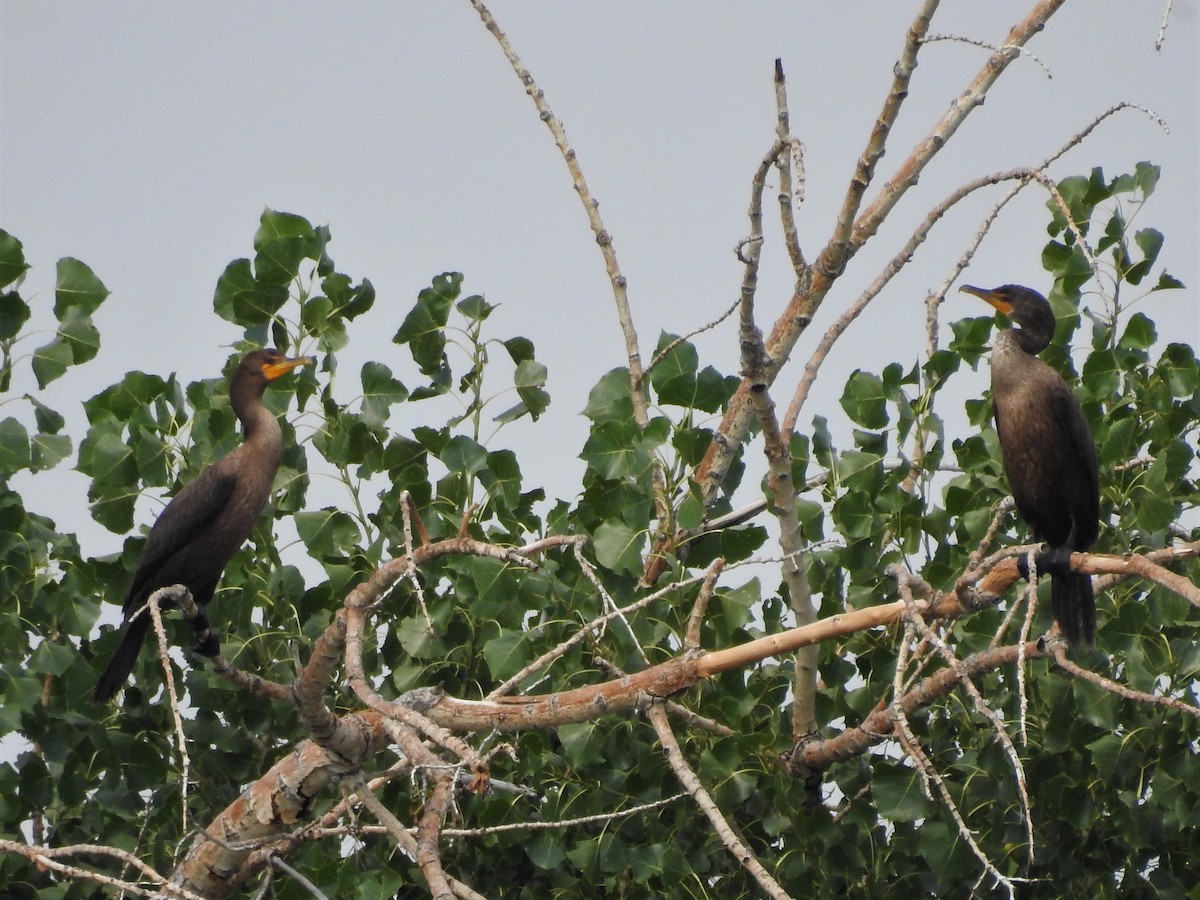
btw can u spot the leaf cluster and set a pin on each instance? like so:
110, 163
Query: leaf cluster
1112, 780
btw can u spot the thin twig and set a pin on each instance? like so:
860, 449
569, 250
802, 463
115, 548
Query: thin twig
47, 857
1059, 651
784, 162
563, 823
609, 603
173, 594
691, 783
592, 627
981, 706
932, 38
1162, 29
691, 639
666, 351
278, 863
591, 207
407, 508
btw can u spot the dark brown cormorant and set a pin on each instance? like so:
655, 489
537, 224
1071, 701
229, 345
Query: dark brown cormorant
210, 518
1049, 455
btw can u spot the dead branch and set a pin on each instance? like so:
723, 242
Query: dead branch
914, 615
783, 163
213, 867
48, 858
1060, 656
591, 207
428, 832
848, 238
691, 783
691, 638
879, 726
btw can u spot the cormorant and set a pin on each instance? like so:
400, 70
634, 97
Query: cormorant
203, 526
1049, 455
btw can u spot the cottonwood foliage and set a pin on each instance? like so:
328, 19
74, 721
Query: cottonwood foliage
1114, 783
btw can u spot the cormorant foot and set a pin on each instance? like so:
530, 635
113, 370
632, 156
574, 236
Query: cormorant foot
208, 644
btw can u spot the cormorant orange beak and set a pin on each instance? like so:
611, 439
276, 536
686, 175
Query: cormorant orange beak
990, 297
274, 370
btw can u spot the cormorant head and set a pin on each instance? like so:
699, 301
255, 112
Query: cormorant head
256, 369
267, 365
1026, 307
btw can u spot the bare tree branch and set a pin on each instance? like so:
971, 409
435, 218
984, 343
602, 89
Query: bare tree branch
691, 783
591, 207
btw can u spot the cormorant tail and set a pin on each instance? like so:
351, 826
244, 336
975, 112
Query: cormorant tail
113, 678
1074, 607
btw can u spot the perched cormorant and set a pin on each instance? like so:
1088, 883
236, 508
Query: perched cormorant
1049, 455
210, 518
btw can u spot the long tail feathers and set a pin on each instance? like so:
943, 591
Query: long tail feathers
1074, 607
113, 678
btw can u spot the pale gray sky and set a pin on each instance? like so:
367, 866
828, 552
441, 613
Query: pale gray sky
145, 139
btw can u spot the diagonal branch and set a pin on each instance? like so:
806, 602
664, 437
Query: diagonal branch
591, 207
848, 238
838, 251
691, 783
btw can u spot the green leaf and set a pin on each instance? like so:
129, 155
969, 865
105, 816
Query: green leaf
1146, 177
14, 446
327, 533
48, 450
136, 391
502, 477
971, 337
50, 361
106, 456
612, 449
348, 302
417, 640
380, 391
519, 349
243, 300
674, 376
1139, 333
863, 400
47, 419
475, 308
12, 259
52, 659
505, 655
610, 400
898, 794
282, 241
77, 288
690, 513
529, 379
1179, 369
464, 455
582, 744
1150, 241
274, 225
619, 547
422, 328
713, 390
77, 341
1167, 283
14, 313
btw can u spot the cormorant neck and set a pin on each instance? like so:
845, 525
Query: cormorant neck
246, 399
1036, 321
1032, 342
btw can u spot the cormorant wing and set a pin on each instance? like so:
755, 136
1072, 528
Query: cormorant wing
187, 516
1086, 505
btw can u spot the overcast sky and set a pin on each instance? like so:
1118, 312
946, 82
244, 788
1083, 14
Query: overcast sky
146, 138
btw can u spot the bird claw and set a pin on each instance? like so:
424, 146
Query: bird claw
1049, 561
208, 644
